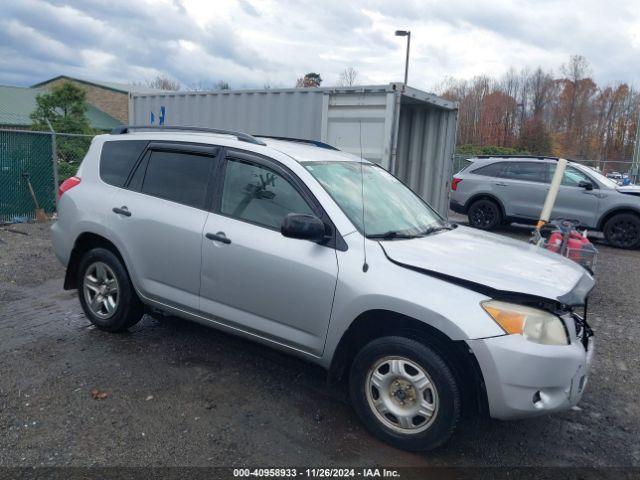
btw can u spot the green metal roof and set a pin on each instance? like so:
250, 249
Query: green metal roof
17, 103
115, 86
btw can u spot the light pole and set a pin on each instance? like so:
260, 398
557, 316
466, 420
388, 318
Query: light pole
634, 172
405, 33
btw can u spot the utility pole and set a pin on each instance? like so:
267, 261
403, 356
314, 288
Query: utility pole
634, 173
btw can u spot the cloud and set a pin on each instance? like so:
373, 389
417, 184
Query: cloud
248, 8
249, 43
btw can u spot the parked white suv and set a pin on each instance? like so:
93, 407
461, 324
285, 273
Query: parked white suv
423, 321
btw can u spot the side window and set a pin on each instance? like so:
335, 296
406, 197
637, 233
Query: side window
572, 176
179, 177
526, 171
118, 158
259, 195
491, 170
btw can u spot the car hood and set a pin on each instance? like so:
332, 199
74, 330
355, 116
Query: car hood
493, 264
629, 189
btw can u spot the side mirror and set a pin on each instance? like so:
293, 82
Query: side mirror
305, 227
586, 185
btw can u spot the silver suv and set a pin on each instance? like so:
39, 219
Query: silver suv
422, 322
492, 190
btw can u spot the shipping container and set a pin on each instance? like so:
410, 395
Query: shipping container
409, 132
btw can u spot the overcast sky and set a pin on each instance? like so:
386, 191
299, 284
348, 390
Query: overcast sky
249, 43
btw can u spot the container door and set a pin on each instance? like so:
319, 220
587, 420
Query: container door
360, 124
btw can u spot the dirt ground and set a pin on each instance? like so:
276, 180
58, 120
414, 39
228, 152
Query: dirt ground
177, 393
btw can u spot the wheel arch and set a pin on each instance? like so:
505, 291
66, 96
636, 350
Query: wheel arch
378, 323
615, 211
83, 243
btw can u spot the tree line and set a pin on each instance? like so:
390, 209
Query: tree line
566, 115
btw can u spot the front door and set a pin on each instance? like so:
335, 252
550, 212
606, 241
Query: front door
253, 277
576, 202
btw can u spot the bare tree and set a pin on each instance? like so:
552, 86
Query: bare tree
221, 85
348, 77
541, 88
203, 86
576, 69
162, 82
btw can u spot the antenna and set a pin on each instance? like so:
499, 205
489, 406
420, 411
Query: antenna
365, 265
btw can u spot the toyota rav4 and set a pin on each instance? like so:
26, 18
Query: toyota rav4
319, 253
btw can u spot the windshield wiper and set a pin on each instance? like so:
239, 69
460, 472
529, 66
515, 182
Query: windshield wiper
396, 234
439, 228
391, 235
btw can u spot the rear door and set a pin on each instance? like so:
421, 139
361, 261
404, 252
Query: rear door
574, 201
160, 216
486, 179
525, 188
252, 276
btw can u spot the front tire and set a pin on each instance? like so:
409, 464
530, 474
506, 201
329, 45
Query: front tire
405, 393
106, 293
484, 214
623, 231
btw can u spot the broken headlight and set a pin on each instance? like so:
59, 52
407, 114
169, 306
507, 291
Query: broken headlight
535, 325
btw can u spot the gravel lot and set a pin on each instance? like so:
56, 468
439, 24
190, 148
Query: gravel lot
180, 394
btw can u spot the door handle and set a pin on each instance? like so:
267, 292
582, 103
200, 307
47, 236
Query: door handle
122, 211
218, 237
499, 184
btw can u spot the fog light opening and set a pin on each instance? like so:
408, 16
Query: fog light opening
583, 380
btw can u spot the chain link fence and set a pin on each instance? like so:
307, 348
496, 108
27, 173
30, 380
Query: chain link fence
459, 162
37, 161
70, 150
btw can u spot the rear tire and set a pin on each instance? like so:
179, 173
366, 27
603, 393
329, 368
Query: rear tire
484, 214
413, 404
106, 293
623, 231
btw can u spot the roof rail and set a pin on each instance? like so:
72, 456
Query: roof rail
243, 137
301, 140
537, 157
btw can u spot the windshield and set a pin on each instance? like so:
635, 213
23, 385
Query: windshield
390, 208
607, 182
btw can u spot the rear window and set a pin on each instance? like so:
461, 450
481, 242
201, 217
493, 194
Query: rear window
118, 158
526, 171
491, 170
178, 177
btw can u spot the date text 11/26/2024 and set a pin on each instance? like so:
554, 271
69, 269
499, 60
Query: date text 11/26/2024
316, 472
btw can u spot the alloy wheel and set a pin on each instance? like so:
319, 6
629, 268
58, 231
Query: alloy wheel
624, 233
483, 216
101, 290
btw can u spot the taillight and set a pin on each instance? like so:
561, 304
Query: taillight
455, 182
67, 185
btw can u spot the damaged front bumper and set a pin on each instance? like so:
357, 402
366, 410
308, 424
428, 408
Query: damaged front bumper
525, 379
